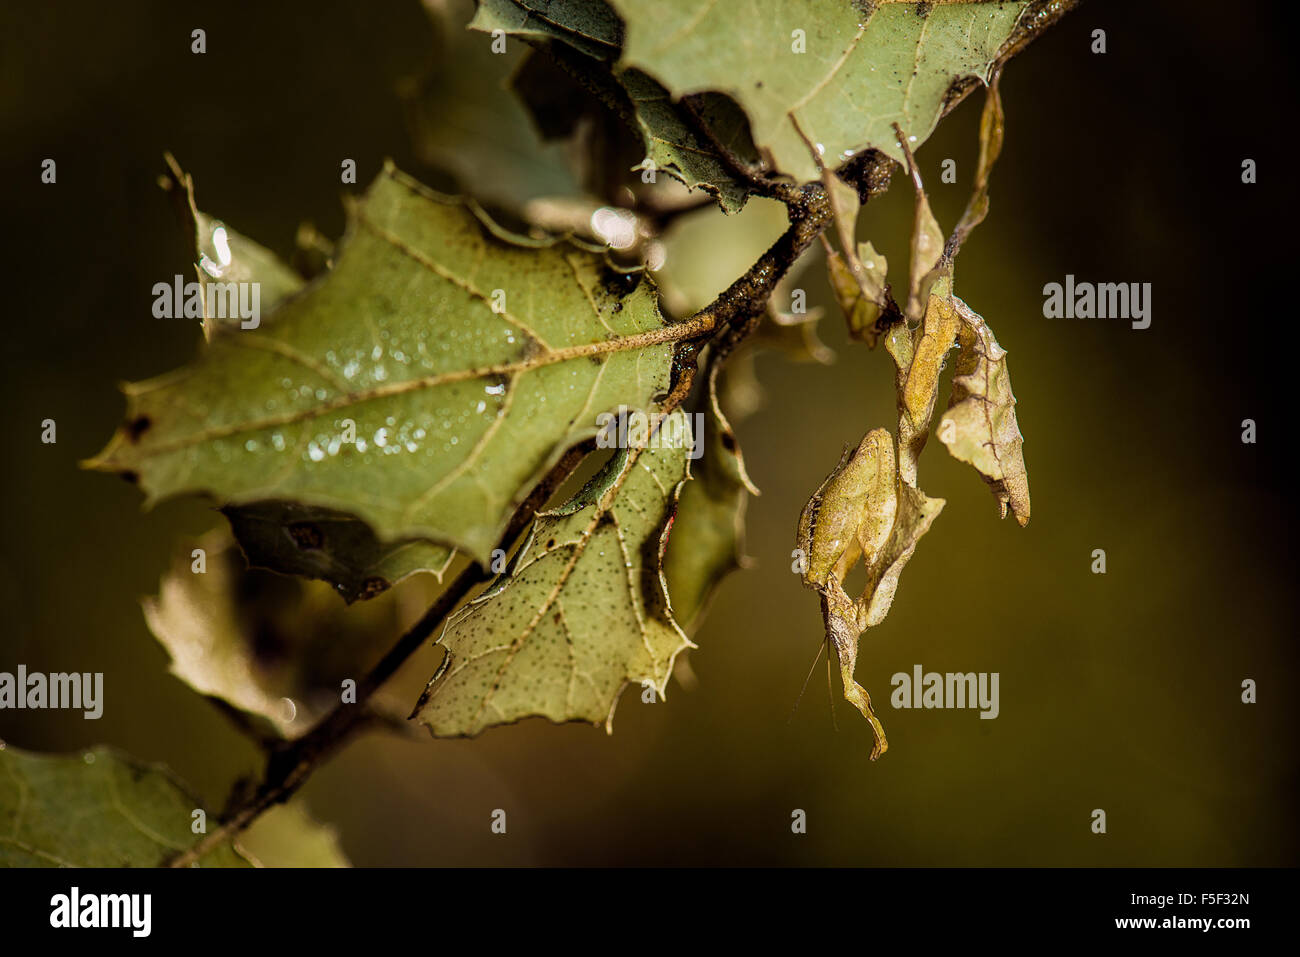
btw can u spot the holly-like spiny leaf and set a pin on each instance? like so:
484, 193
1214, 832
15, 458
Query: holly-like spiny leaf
289, 537
464, 362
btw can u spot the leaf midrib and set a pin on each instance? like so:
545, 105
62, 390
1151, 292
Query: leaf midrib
690, 328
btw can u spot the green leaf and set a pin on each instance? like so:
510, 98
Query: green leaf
288, 537
675, 148
860, 72
581, 611
465, 120
95, 809
980, 426
332, 546
667, 131
709, 529
458, 409
276, 649
590, 27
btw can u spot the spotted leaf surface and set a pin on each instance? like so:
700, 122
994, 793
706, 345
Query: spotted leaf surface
423, 385
842, 71
581, 611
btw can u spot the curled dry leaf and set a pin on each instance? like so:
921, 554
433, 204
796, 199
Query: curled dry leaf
859, 289
856, 270
927, 241
273, 649
980, 426
850, 515
931, 343
992, 132
919, 355
870, 507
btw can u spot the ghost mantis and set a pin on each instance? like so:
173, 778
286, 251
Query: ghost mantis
869, 508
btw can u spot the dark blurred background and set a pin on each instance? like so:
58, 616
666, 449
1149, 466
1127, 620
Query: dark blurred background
1119, 692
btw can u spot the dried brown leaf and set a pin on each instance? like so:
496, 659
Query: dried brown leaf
980, 426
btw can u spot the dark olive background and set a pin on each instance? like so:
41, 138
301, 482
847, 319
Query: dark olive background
1119, 692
